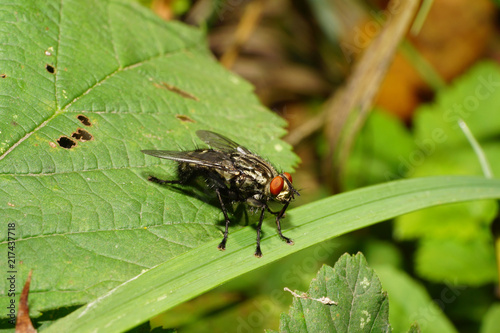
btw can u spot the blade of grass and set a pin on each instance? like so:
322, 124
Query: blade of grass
424, 68
421, 16
481, 156
204, 268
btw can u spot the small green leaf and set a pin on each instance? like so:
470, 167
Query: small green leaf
362, 306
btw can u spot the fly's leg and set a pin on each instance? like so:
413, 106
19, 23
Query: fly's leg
278, 224
222, 245
286, 239
258, 252
270, 211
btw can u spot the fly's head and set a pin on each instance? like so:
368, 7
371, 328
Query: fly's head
281, 188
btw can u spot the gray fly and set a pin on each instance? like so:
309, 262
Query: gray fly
236, 175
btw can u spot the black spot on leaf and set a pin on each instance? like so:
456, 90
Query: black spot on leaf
66, 142
50, 69
3, 76
84, 120
82, 135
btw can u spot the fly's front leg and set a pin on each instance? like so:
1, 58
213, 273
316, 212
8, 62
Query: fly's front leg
286, 239
278, 224
258, 252
222, 245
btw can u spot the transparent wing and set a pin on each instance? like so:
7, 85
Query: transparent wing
207, 158
220, 142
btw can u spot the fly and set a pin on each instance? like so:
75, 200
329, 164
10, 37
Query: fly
236, 175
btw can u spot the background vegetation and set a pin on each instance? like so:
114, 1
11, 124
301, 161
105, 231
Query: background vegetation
370, 92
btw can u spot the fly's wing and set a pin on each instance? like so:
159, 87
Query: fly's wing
220, 142
206, 157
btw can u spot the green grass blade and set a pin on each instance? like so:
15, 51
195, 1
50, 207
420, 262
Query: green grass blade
481, 156
203, 268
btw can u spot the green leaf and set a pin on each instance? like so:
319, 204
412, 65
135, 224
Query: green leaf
470, 262
443, 149
85, 86
458, 248
361, 306
491, 320
203, 268
378, 158
379, 252
472, 219
473, 98
409, 302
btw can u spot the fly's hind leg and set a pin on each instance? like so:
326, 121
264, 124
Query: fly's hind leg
222, 245
160, 181
258, 252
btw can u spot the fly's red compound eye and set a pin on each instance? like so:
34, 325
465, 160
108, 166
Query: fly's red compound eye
288, 176
276, 185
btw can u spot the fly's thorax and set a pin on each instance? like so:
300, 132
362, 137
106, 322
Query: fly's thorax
254, 170
253, 178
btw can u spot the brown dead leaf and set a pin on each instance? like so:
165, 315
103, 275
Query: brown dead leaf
23, 322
